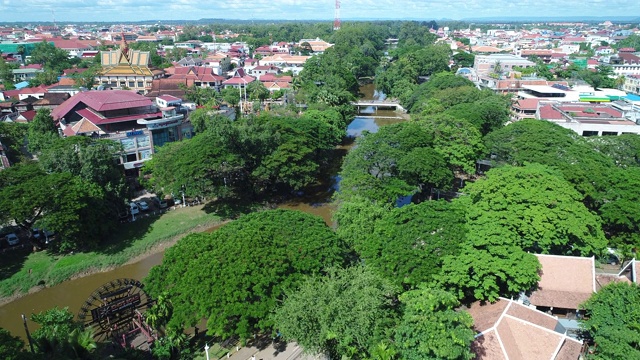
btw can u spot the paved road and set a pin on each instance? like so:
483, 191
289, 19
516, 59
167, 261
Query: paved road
290, 351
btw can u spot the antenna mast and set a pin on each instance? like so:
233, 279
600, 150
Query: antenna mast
336, 20
53, 13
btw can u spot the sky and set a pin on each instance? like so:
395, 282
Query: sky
135, 10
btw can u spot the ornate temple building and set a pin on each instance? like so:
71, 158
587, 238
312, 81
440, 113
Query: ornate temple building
126, 68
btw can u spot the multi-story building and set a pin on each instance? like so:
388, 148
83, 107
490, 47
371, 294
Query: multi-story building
505, 63
135, 121
632, 84
126, 68
588, 119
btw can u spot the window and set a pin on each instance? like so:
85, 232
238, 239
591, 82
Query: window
132, 84
589, 133
609, 133
145, 154
143, 141
128, 144
131, 157
140, 84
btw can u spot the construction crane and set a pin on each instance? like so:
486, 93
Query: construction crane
336, 20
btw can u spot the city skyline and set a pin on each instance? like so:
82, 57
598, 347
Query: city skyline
144, 10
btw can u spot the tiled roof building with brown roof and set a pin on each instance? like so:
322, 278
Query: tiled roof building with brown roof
509, 330
565, 281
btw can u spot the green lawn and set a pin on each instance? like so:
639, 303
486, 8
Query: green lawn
128, 241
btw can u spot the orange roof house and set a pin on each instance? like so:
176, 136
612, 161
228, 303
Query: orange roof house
508, 330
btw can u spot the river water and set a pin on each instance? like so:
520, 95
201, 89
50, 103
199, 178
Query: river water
73, 293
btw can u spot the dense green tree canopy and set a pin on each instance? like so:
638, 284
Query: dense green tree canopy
12, 137
60, 337
247, 156
611, 322
431, 328
624, 150
51, 57
456, 140
396, 161
91, 160
11, 347
345, 313
66, 204
550, 144
42, 130
236, 275
535, 208
486, 270
407, 244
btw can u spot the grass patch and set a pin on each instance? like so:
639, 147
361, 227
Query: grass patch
128, 241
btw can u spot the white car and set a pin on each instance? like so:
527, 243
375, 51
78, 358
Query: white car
12, 239
143, 205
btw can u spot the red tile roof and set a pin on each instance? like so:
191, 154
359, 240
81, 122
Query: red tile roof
565, 281
547, 112
103, 101
509, 330
100, 120
527, 104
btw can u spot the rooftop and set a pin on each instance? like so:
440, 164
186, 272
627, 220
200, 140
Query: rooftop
565, 281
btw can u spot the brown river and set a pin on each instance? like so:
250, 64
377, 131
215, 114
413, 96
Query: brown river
73, 293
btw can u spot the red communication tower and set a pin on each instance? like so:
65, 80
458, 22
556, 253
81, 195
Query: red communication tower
336, 20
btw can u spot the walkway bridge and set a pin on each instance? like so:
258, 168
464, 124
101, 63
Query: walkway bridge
378, 104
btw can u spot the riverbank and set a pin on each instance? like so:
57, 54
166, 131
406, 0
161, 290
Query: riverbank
23, 273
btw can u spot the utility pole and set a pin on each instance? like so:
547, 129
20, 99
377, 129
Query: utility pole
26, 329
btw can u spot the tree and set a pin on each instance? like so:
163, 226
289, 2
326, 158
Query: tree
235, 276
372, 168
42, 130
624, 150
6, 74
431, 328
456, 140
66, 204
87, 78
51, 57
60, 337
486, 270
11, 347
407, 244
631, 41
611, 322
620, 210
12, 137
93, 161
257, 91
345, 313
547, 143
534, 208
46, 77
464, 59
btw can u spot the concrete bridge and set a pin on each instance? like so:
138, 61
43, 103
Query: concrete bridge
379, 104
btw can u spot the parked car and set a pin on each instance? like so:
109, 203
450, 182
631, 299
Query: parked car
43, 235
135, 210
160, 203
12, 239
143, 205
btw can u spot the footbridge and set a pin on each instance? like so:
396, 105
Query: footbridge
378, 104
